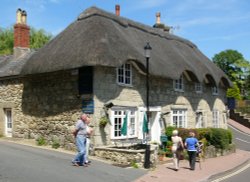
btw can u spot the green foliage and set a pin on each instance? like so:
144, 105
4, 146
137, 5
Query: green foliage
236, 68
234, 92
37, 39
55, 144
103, 121
169, 131
134, 165
227, 61
41, 141
220, 138
6, 41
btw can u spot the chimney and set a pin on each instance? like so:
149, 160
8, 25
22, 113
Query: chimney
21, 34
160, 25
158, 18
117, 10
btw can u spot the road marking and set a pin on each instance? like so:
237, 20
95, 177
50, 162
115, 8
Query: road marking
232, 174
238, 130
242, 140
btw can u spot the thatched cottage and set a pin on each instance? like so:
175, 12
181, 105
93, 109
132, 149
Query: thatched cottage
97, 65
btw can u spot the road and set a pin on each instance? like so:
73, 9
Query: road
242, 141
19, 163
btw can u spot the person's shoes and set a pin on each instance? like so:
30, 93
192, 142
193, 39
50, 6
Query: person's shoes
88, 162
176, 169
75, 163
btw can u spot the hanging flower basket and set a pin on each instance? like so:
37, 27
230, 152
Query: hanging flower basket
103, 121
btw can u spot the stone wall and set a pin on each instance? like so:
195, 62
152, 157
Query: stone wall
161, 93
48, 104
45, 105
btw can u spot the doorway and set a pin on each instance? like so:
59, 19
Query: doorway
8, 122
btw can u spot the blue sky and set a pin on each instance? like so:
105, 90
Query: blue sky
213, 25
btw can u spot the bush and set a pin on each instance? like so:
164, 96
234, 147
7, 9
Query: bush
41, 141
55, 144
220, 138
169, 131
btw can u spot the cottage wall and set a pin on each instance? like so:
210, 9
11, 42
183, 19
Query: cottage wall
44, 105
161, 94
48, 104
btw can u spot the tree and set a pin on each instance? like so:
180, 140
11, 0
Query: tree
234, 92
6, 41
235, 67
37, 39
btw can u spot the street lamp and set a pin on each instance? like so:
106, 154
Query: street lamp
147, 50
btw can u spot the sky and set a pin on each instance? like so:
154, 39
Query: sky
212, 25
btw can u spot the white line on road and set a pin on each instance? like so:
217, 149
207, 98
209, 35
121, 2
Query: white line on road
232, 174
242, 140
238, 130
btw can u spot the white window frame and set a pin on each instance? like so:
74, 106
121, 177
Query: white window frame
215, 90
117, 119
179, 84
198, 87
124, 74
216, 118
177, 114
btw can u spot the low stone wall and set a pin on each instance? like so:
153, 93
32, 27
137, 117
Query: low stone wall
125, 156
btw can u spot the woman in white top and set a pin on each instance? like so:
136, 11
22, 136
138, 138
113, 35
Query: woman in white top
176, 148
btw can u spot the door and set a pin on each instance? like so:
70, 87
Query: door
8, 123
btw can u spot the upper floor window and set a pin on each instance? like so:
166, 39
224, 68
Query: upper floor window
179, 118
178, 84
198, 87
117, 119
215, 90
124, 74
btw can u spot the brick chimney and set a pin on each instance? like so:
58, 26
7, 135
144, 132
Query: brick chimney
21, 34
117, 10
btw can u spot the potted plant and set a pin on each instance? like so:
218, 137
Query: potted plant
161, 154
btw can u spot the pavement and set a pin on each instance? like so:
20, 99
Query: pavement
206, 171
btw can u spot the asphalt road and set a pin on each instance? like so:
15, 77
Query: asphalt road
19, 163
242, 141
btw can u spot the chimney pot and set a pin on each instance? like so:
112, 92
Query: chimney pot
24, 17
117, 10
18, 15
158, 18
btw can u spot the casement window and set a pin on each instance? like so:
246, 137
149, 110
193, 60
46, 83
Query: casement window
117, 120
85, 80
215, 90
124, 74
179, 118
198, 87
179, 85
215, 118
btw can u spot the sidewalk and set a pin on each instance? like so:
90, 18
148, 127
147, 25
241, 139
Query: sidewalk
210, 168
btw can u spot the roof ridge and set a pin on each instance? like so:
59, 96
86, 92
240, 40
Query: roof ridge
95, 11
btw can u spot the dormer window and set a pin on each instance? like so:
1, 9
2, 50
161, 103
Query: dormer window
179, 85
198, 87
124, 74
215, 90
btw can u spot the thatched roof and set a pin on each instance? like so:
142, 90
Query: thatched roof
99, 38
